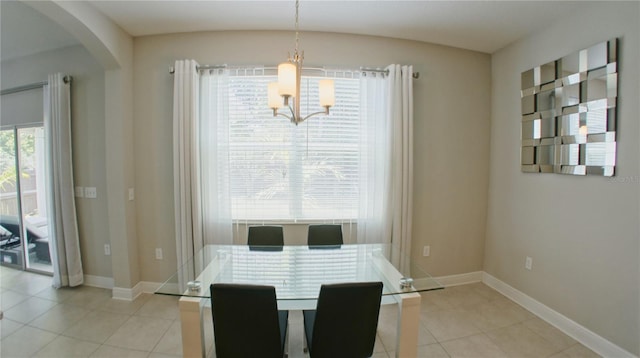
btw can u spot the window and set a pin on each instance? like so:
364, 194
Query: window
280, 171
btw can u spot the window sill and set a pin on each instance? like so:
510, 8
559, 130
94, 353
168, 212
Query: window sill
295, 222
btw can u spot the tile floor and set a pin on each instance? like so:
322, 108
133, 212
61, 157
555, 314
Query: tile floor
463, 321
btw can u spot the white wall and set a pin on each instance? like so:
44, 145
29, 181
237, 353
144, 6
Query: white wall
582, 232
87, 113
452, 102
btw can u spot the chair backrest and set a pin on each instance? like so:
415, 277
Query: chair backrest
346, 320
265, 236
324, 235
245, 321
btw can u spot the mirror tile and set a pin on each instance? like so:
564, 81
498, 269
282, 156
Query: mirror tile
597, 56
547, 127
569, 124
546, 154
527, 79
570, 95
545, 101
531, 129
600, 154
545, 74
570, 154
528, 155
595, 121
528, 104
569, 65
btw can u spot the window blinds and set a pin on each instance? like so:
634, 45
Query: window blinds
283, 172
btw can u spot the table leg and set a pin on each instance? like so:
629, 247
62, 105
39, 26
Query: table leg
408, 325
408, 311
193, 344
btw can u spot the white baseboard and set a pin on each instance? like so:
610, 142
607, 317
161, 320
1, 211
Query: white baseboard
576, 331
98, 281
121, 293
150, 287
166, 287
461, 279
127, 294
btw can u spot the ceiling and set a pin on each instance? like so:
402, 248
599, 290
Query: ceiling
484, 26
24, 31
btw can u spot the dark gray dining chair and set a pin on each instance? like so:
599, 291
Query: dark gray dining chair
345, 321
265, 236
246, 321
324, 235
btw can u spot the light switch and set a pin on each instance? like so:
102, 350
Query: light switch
90, 192
79, 192
131, 194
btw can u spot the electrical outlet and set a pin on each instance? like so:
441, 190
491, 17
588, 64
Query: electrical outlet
426, 251
79, 192
528, 263
158, 253
131, 194
107, 249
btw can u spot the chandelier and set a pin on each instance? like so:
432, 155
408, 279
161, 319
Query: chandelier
286, 92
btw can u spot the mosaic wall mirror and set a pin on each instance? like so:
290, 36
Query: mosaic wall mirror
569, 113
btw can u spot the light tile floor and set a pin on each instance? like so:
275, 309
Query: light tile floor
463, 321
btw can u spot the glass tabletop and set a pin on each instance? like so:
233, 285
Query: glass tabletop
296, 272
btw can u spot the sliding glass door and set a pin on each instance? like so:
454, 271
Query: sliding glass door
24, 232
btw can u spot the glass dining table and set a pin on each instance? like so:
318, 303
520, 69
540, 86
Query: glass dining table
297, 272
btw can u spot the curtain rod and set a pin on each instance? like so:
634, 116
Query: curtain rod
415, 75
67, 79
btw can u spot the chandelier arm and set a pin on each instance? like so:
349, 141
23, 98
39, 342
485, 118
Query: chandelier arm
326, 111
297, 120
283, 115
292, 110
292, 117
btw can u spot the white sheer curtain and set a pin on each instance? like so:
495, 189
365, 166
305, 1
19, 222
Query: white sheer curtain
63, 224
374, 219
214, 152
386, 170
201, 161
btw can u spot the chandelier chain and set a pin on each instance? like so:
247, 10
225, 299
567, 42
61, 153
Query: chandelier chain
297, 26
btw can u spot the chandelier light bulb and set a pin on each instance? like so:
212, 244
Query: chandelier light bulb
287, 79
327, 93
274, 99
